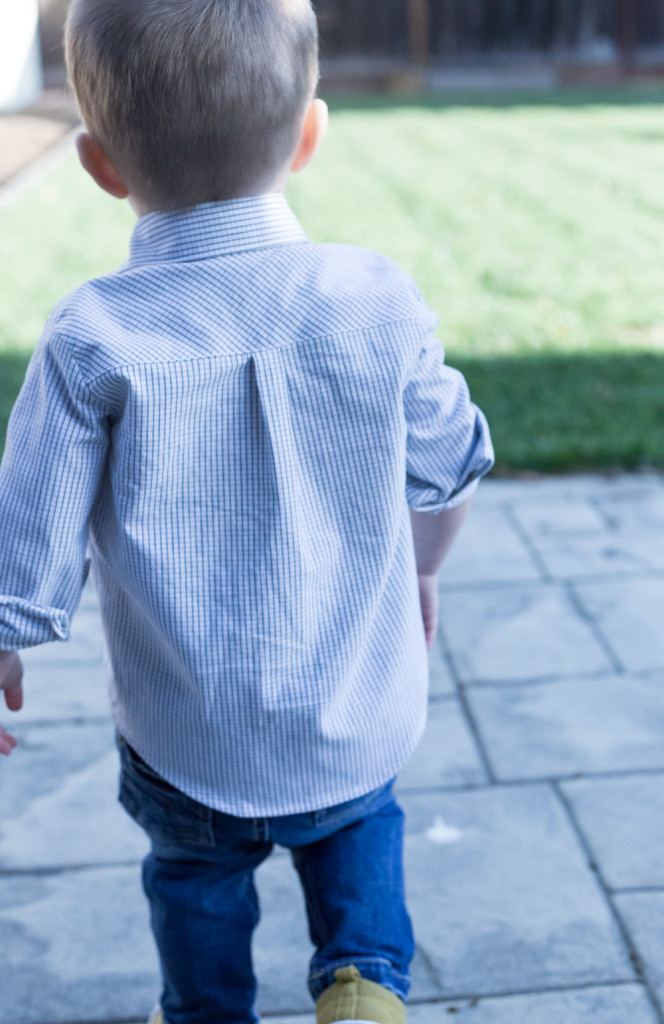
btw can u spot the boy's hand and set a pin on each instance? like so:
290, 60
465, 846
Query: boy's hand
429, 604
11, 681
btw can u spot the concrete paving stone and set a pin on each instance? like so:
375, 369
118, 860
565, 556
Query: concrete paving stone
501, 896
58, 802
488, 549
613, 1004
62, 692
282, 949
643, 914
630, 486
447, 755
623, 822
626, 513
606, 553
89, 598
45, 757
518, 633
76, 947
630, 614
555, 729
573, 539
559, 517
441, 683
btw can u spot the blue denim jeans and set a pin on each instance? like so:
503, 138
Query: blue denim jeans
199, 881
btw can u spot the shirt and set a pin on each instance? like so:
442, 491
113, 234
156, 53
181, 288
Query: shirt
236, 421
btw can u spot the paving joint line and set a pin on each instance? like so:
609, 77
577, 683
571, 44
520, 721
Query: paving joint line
554, 581
88, 662
477, 736
537, 780
527, 541
630, 946
635, 890
97, 1020
449, 662
50, 723
56, 871
431, 969
609, 521
608, 774
442, 698
578, 605
493, 684
440, 641
495, 585
546, 990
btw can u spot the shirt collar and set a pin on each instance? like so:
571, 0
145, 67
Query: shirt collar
215, 229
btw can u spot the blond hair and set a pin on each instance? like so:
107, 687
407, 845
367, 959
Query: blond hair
193, 100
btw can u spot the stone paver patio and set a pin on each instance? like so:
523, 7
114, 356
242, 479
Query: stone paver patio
535, 803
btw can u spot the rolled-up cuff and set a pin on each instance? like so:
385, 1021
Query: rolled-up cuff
444, 490
430, 499
23, 624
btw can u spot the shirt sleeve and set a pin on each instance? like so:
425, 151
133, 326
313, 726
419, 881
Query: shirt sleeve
56, 450
448, 447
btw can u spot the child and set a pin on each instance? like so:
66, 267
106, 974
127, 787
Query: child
237, 422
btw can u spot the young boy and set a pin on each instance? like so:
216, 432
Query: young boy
237, 422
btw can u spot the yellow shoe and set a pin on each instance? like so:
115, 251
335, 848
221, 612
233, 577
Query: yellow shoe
156, 1017
354, 998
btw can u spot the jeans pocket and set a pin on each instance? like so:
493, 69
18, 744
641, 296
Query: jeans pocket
169, 816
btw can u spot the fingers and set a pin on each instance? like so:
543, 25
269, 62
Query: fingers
11, 680
14, 696
7, 742
430, 630
428, 586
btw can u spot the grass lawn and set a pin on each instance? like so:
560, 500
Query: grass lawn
533, 225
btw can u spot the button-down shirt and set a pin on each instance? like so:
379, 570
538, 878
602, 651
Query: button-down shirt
236, 422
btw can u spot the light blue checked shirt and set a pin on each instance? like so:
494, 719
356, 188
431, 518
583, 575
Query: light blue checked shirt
236, 422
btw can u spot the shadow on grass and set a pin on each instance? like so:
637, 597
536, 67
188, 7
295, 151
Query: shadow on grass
550, 413
558, 413
12, 372
499, 99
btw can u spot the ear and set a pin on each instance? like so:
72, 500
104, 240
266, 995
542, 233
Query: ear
99, 167
314, 130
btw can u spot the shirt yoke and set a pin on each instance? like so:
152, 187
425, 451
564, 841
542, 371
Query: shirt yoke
235, 306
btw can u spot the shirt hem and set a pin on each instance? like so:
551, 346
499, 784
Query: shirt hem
242, 808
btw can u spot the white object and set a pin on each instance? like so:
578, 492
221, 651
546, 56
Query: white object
20, 58
441, 833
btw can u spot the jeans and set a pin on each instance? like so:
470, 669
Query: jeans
199, 882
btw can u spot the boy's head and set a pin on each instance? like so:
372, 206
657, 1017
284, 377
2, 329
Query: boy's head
193, 101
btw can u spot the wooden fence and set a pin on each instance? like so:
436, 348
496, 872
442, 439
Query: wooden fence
442, 29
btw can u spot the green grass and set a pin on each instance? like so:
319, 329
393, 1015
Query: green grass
534, 226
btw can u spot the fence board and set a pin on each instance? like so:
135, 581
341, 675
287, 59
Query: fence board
460, 28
